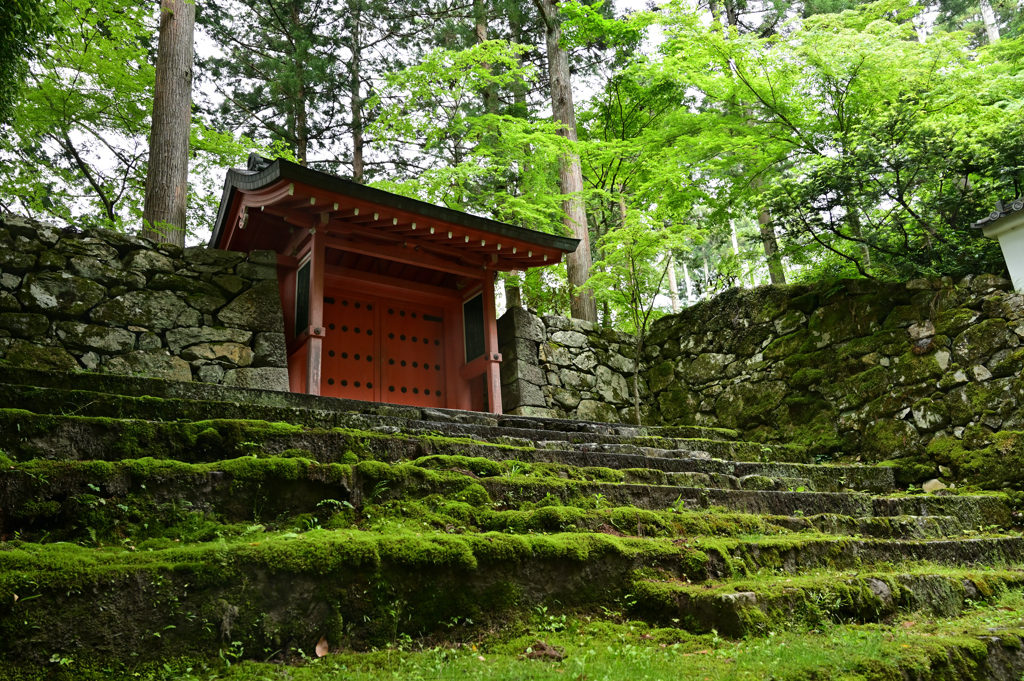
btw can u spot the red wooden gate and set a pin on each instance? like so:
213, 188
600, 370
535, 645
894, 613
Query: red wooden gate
351, 358
383, 350
413, 368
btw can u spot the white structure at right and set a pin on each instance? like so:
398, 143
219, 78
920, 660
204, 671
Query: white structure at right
1007, 225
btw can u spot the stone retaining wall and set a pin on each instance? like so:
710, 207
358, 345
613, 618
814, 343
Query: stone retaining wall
860, 367
104, 301
852, 366
565, 368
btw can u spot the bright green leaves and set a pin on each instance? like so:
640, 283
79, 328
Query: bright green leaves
496, 164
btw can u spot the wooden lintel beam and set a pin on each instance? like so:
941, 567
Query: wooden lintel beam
302, 221
387, 222
396, 286
408, 254
364, 216
402, 227
434, 247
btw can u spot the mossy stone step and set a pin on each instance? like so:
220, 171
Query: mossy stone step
250, 487
26, 435
273, 591
823, 477
102, 395
730, 558
745, 608
672, 448
983, 643
318, 408
888, 527
46, 401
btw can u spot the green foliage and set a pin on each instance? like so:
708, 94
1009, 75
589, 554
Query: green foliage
21, 21
496, 164
76, 148
870, 149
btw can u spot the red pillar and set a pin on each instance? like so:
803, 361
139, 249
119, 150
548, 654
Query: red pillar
314, 346
491, 344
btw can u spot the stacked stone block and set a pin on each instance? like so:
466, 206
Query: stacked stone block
872, 369
881, 370
565, 368
103, 301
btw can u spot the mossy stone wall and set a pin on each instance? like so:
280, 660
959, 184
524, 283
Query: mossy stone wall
103, 301
869, 369
864, 368
565, 368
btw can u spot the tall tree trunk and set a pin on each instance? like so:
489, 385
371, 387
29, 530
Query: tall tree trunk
731, 15
689, 285
355, 82
771, 248
519, 85
163, 214
673, 286
513, 291
716, 21
853, 217
301, 117
490, 97
570, 174
736, 250
989, 17
768, 239
301, 129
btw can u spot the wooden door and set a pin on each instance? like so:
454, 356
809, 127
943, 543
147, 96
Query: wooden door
413, 354
350, 366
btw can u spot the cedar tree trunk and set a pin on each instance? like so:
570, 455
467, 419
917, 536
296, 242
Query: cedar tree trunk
163, 213
570, 174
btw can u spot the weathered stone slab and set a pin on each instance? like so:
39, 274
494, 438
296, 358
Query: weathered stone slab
60, 294
177, 339
22, 353
260, 378
518, 323
150, 364
270, 350
234, 354
149, 309
25, 324
258, 309
519, 393
102, 339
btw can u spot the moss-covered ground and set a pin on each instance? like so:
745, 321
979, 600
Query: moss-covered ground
165, 537
559, 644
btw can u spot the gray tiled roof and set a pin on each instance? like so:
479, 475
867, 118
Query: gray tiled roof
1001, 211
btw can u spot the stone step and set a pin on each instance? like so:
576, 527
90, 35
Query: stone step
278, 590
104, 395
733, 559
673, 448
40, 494
390, 420
826, 478
749, 608
26, 435
886, 527
320, 407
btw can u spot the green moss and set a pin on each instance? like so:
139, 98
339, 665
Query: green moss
806, 377
786, 346
987, 460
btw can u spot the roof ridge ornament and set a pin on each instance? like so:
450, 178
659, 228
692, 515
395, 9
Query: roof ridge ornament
257, 163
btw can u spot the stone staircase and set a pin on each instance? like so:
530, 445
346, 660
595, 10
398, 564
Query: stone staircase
157, 526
